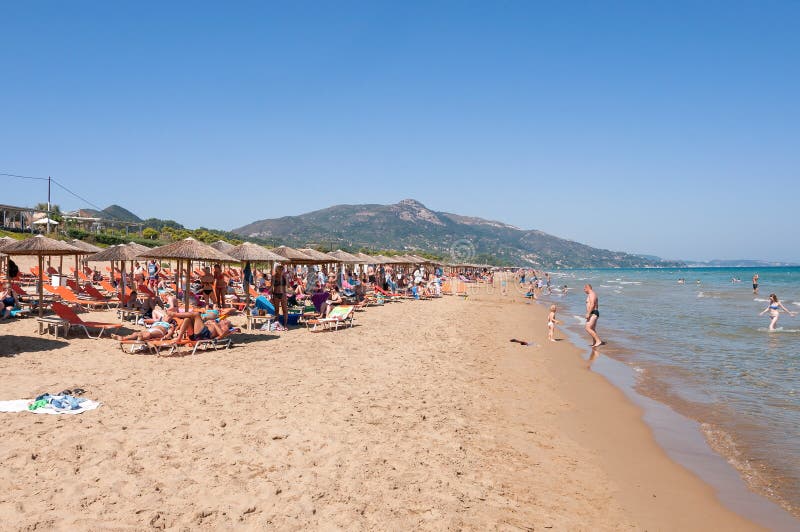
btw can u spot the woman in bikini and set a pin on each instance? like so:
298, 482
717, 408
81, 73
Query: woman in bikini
774, 308
279, 300
334, 299
207, 286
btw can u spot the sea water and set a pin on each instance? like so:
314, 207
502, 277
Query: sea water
702, 348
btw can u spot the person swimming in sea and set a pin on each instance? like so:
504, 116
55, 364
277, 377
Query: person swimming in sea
774, 308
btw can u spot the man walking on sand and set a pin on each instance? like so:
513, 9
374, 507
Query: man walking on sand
592, 314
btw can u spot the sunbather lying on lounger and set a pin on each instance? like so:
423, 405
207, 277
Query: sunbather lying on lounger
160, 330
203, 326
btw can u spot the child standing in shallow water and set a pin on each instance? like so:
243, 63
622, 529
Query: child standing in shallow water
551, 323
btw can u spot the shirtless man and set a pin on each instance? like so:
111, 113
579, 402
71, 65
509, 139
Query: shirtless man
207, 286
592, 314
755, 284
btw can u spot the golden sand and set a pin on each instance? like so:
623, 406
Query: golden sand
422, 416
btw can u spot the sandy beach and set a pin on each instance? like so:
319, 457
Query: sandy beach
422, 416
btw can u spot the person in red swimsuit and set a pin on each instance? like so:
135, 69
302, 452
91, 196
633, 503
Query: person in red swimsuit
220, 286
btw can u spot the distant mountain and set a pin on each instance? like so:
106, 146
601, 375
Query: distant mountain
409, 225
739, 263
112, 212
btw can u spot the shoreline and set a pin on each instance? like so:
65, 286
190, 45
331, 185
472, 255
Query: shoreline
424, 415
648, 379
598, 415
682, 438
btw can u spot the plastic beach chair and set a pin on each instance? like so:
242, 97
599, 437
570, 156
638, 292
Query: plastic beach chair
341, 315
66, 313
68, 295
221, 342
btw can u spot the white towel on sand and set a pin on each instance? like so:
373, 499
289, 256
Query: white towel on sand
21, 405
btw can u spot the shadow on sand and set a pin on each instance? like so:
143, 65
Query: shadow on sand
249, 337
11, 345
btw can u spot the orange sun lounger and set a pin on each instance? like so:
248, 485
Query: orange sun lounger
67, 314
68, 295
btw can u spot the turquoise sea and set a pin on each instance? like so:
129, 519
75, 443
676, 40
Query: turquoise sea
702, 348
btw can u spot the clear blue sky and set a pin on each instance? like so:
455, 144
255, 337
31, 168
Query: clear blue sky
658, 127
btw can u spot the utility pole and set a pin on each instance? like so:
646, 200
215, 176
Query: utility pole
48, 205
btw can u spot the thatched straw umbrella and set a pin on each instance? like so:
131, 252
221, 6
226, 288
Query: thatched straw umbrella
249, 252
89, 248
383, 259
120, 252
320, 257
365, 259
293, 256
344, 257
138, 247
80, 244
6, 240
41, 246
221, 245
187, 249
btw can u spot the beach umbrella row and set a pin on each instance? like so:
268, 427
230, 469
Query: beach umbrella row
188, 250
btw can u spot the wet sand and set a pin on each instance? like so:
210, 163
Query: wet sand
424, 415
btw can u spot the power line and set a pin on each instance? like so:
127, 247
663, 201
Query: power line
76, 195
25, 177
112, 218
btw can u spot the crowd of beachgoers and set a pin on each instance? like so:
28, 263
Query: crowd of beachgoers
166, 306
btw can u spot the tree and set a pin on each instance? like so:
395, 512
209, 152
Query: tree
150, 233
55, 211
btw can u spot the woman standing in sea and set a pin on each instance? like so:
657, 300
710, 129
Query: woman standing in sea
774, 309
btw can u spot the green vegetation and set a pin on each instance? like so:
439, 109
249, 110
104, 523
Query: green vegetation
13, 234
149, 233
